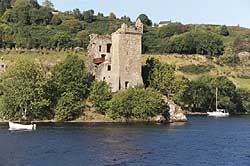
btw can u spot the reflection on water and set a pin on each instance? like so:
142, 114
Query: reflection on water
201, 141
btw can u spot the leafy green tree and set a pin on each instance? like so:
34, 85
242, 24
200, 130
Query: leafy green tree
196, 42
198, 95
243, 99
82, 38
224, 31
61, 40
73, 25
100, 94
136, 103
126, 19
88, 16
40, 16
112, 16
70, 76
144, 19
162, 79
77, 14
4, 5
25, 90
226, 93
68, 107
148, 68
172, 29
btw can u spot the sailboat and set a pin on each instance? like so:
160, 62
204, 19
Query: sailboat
218, 112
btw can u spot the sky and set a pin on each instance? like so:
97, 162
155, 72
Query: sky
224, 12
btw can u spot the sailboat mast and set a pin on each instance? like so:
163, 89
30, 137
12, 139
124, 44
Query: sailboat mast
216, 98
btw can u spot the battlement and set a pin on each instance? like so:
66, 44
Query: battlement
125, 29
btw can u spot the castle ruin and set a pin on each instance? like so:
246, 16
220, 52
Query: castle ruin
116, 58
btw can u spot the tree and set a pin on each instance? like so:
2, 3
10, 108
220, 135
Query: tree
196, 42
25, 92
70, 76
126, 19
144, 19
243, 98
68, 107
112, 16
224, 31
4, 5
88, 16
198, 96
162, 78
171, 29
61, 40
73, 25
48, 4
100, 94
82, 39
77, 14
226, 93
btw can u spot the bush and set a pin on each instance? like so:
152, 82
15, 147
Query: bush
135, 104
100, 94
224, 31
196, 69
68, 107
230, 60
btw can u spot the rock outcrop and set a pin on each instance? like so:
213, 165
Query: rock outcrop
176, 114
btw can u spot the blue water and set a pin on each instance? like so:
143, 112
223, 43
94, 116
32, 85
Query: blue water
202, 141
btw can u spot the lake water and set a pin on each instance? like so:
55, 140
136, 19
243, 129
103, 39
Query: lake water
202, 141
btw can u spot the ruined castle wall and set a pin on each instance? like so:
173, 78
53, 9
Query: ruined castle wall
128, 59
96, 49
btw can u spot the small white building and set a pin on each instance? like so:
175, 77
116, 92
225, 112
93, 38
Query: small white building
164, 23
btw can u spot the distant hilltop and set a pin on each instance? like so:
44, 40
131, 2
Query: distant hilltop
28, 24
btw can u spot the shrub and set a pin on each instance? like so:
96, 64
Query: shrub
196, 69
224, 31
68, 107
100, 94
135, 104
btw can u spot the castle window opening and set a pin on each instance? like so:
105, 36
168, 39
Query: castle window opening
109, 48
126, 84
100, 48
109, 68
103, 55
104, 78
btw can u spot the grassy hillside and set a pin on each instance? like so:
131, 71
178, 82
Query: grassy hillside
191, 66
195, 66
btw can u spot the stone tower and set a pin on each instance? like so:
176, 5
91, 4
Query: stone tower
116, 59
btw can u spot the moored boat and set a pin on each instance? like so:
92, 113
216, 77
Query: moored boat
218, 112
17, 126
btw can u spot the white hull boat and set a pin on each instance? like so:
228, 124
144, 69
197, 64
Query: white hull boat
218, 112
17, 126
